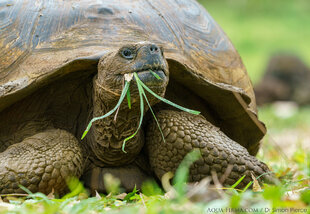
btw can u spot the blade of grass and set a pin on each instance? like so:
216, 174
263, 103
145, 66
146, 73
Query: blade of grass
181, 175
115, 116
128, 99
250, 183
266, 173
155, 75
238, 182
247, 186
75, 187
163, 99
125, 89
35, 195
147, 101
25, 189
140, 89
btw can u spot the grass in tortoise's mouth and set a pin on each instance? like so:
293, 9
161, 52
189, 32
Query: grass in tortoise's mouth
155, 68
126, 92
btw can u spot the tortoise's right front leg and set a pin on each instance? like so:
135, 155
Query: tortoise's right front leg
41, 163
185, 132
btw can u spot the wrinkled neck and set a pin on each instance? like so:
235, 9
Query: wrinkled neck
107, 135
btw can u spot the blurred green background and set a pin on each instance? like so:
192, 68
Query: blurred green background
260, 28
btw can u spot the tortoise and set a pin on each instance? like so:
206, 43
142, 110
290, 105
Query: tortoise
64, 63
286, 78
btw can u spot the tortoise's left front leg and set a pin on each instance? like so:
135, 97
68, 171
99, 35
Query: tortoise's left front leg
41, 163
184, 132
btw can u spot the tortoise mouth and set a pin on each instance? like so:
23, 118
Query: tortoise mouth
153, 68
153, 77
148, 68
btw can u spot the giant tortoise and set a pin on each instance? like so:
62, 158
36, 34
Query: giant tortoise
286, 78
63, 63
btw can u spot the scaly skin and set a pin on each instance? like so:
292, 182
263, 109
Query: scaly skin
47, 152
41, 163
183, 133
44, 161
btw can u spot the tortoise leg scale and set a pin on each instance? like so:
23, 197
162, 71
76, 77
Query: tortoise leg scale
184, 132
41, 163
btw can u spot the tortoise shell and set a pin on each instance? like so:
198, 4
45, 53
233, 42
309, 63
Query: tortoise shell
43, 41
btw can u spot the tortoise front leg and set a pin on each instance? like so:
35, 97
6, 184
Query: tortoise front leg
184, 132
41, 163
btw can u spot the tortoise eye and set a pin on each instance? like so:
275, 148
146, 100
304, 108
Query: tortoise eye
127, 53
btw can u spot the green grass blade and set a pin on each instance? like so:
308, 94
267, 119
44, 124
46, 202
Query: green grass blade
147, 101
38, 195
163, 99
124, 92
128, 99
25, 189
247, 186
140, 89
155, 75
238, 182
182, 172
266, 173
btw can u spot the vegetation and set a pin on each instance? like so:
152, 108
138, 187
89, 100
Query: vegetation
291, 195
257, 29
261, 28
141, 86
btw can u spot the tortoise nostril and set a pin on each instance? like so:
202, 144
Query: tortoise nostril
154, 48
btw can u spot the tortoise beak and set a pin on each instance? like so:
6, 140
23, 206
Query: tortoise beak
152, 67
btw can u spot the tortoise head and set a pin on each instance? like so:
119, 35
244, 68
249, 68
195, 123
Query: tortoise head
144, 58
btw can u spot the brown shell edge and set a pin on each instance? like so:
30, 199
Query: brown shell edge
237, 119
